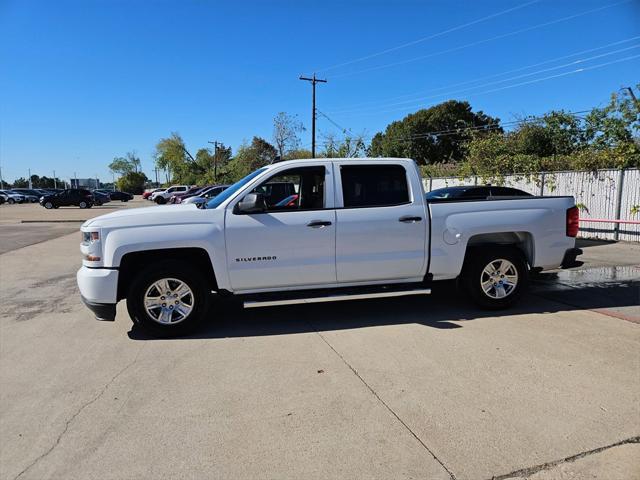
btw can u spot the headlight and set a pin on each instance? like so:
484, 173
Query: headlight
90, 246
90, 237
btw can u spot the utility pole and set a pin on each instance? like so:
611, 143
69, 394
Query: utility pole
633, 96
30, 185
55, 184
215, 160
313, 81
1, 180
76, 177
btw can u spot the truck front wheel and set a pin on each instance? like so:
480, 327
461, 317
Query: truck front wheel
168, 299
495, 277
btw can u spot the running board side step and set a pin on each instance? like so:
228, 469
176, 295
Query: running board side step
335, 298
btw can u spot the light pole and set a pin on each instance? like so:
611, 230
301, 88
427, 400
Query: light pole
55, 184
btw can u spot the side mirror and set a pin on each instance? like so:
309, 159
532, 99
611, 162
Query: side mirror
252, 203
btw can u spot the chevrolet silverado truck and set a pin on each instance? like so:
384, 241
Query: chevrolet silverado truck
359, 228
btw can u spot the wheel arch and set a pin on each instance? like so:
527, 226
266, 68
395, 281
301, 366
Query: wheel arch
522, 241
132, 262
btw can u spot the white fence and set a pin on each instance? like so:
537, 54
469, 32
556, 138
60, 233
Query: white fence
603, 194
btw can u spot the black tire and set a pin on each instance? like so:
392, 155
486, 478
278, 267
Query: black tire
473, 276
11, 201
169, 269
48, 205
83, 204
160, 200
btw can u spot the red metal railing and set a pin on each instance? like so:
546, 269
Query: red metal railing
606, 220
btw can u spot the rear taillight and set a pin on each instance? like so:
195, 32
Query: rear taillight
573, 221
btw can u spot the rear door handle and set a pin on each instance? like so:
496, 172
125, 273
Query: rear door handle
409, 219
318, 224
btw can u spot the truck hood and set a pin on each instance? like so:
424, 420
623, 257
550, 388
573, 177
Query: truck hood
161, 215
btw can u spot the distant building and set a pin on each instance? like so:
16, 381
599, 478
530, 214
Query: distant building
85, 183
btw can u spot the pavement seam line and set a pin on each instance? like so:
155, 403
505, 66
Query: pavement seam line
373, 392
78, 412
526, 472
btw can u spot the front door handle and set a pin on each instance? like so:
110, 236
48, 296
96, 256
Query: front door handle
318, 224
409, 219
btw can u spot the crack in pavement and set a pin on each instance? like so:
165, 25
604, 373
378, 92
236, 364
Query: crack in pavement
355, 372
525, 472
78, 412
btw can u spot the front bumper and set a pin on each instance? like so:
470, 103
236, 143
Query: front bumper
99, 289
102, 311
569, 260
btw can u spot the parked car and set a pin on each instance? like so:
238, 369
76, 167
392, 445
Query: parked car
32, 195
116, 195
179, 197
100, 198
13, 197
366, 227
78, 197
147, 193
206, 195
3, 199
475, 192
162, 196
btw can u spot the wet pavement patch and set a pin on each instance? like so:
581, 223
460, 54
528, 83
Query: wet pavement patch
613, 291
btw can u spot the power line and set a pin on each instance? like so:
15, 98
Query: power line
517, 77
429, 37
486, 77
550, 77
344, 130
479, 42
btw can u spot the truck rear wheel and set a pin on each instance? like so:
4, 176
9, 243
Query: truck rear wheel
495, 277
168, 299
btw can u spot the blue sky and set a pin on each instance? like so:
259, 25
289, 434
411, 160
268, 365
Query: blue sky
84, 81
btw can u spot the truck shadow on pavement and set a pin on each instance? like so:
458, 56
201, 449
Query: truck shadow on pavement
446, 308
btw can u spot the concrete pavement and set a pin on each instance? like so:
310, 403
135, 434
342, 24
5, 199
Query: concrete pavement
404, 388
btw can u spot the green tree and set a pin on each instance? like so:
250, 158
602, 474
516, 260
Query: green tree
123, 165
172, 155
298, 154
616, 124
132, 182
433, 135
20, 182
250, 157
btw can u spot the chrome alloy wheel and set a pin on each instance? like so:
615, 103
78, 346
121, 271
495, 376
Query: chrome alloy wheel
169, 301
499, 278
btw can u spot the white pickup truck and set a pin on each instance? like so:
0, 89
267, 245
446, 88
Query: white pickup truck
307, 231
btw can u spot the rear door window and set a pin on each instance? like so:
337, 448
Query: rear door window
374, 185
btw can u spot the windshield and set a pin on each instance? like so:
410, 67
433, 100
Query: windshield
229, 192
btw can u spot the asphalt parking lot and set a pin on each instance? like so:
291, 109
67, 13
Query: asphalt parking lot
401, 388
